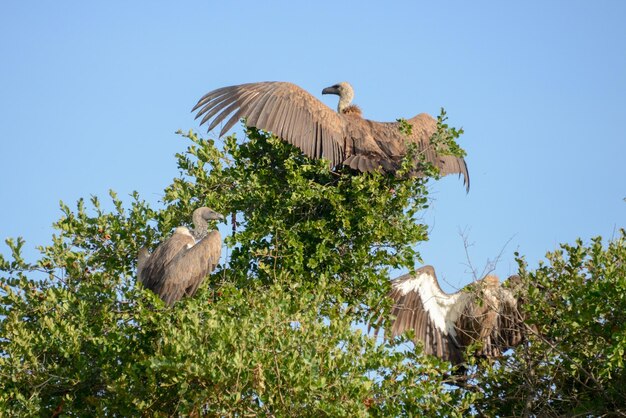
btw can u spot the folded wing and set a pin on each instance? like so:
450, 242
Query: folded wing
184, 274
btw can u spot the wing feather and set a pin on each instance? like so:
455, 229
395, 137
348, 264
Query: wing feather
152, 275
284, 122
227, 106
268, 111
257, 107
293, 128
322, 143
421, 305
278, 115
392, 143
250, 101
244, 100
510, 321
484, 312
211, 108
210, 96
239, 114
296, 116
449, 164
184, 274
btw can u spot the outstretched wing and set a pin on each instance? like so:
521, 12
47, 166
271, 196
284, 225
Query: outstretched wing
284, 109
186, 272
297, 117
421, 305
511, 320
423, 127
492, 318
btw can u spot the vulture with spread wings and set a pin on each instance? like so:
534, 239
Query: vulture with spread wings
342, 137
446, 324
179, 264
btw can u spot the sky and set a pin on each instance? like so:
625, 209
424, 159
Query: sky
91, 94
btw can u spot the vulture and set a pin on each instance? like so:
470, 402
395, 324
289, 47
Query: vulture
179, 264
483, 312
343, 137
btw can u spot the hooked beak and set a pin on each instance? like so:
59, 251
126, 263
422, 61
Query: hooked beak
214, 216
331, 90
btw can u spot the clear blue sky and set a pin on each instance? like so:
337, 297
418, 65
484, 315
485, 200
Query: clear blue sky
91, 95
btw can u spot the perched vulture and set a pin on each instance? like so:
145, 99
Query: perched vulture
446, 324
179, 265
342, 137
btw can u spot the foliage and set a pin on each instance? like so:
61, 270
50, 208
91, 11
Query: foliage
444, 139
277, 329
271, 333
295, 215
573, 363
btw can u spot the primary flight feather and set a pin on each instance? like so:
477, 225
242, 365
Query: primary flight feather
343, 137
483, 312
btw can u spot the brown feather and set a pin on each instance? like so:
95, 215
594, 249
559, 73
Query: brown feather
300, 119
154, 268
238, 115
267, 111
184, 274
487, 313
179, 264
352, 110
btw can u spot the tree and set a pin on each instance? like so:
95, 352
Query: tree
573, 361
272, 332
277, 330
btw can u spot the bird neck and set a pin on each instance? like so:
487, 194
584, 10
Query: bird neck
345, 98
200, 234
200, 226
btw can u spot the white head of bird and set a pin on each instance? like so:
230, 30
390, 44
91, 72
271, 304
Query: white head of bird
345, 92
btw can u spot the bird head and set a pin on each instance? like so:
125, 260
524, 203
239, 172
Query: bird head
200, 217
340, 89
206, 214
345, 92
